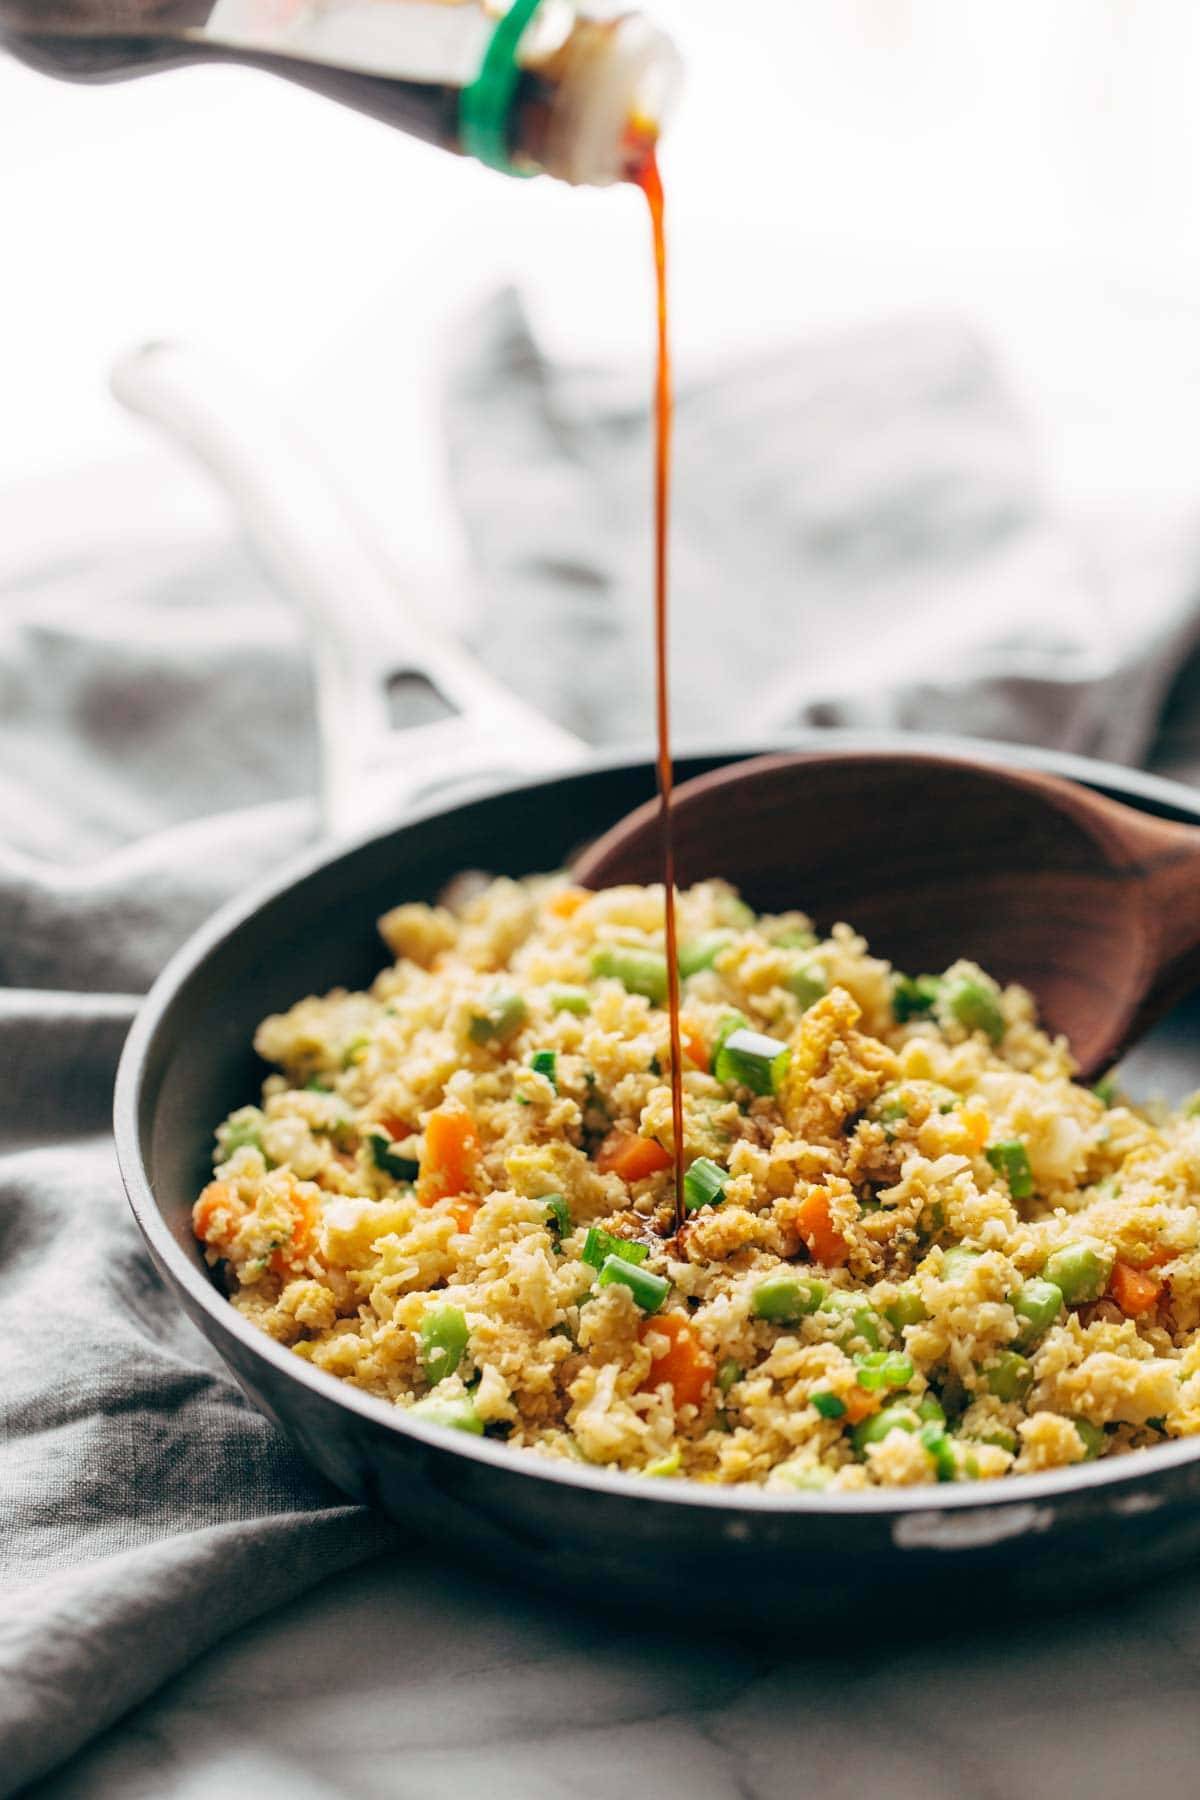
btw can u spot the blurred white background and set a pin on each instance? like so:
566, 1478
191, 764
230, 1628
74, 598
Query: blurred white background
1034, 167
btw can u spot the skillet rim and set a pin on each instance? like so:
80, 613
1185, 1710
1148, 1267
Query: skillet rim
1156, 793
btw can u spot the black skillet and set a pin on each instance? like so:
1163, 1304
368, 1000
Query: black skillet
734, 1553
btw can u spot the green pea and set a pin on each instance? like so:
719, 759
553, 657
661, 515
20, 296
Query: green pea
702, 952
1009, 1376
502, 1017
930, 1410
794, 937
1001, 1439
857, 1319
639, 971
569, 999
1037, 1304
976, 1007
1080, 1272
958, 1261
732, 910
940, 1449
806, 980
875, 1429
1092, 1438
443, 1337
907, 1308
787, 1298
456, 1414
242, 1130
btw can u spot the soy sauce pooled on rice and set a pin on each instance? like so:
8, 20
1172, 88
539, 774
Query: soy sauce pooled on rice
914, 1249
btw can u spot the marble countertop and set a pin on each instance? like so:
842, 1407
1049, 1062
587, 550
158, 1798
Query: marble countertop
412, 1679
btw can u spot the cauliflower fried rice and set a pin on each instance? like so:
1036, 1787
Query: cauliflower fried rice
915, 1249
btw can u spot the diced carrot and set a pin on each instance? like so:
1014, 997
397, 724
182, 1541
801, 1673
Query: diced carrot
687, 1365
860, 1405
450, 1156
567, 902
463, 1213
307, 1210
395, 1126
814, 1221
215, 1212
1133, 1291
976, 1124
631, 1157
694, 1047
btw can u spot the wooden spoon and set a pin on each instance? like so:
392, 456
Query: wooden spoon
1092, 906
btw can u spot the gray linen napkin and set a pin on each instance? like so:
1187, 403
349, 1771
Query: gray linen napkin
860, 539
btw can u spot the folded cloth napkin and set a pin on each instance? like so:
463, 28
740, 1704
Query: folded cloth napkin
860, 539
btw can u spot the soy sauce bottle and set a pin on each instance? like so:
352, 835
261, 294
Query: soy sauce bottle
528, 86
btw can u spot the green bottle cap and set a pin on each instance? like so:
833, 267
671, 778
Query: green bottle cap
484, 106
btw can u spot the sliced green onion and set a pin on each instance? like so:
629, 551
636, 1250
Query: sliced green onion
1105, 1089
1009, 1376
355, 1050
1011, 1159
503, 1016
598, 1245
827, 1404
726, 1026
558, 1215
704, 1184
386, 1158
569, 999
974, 1005
940, 1449
914, 996
957, 1261
883, 1369
545, 1062
639, 971
807, 982
729, 1374
648, 1290
787, 1298
930, 1409
702, 952
665, 1466
753, 1060
907, 1308
1091, 1436
455, 1414
443, 1338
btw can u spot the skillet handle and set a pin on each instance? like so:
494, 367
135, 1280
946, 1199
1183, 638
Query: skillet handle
404, 712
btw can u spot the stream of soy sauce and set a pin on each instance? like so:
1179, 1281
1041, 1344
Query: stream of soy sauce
650, 181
